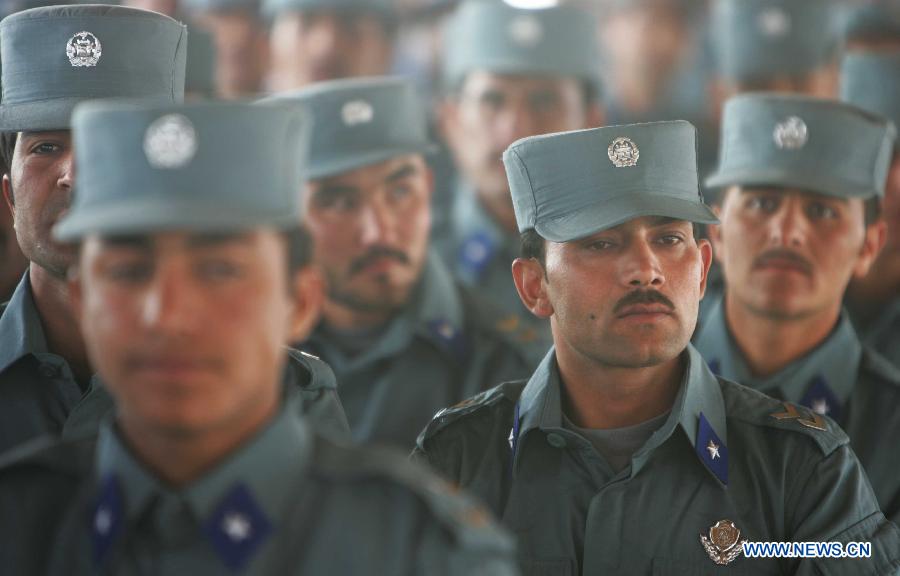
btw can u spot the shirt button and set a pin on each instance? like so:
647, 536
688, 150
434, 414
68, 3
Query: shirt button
556, 440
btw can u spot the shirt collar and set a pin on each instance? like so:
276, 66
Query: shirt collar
20, 326
698, 399
471, 220
832, 366
285, 443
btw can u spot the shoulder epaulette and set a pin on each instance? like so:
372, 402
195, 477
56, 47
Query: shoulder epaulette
507, 392
321, 374
752, 406
470, 523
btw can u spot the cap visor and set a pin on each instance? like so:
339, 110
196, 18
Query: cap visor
155, 214
348, 162
608, 214
816, 183
37, 116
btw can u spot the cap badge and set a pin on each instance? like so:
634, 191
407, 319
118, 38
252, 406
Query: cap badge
357, 112
791, 134
526, 31
623, 152
724, 542
83, 49
773, 23
170, 142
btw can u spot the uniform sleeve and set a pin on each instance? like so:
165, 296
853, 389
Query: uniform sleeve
832, 501
325, 412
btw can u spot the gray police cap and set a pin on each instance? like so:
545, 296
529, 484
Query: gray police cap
360, 122
871, 80
55, 57
821, 146
212, 167
494, 37
871, 19
758, 39
379, 7
570, 185
250, 6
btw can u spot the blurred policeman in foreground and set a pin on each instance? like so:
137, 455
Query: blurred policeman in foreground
509, 73
402, 337
624, 453
316, 40
186, 288
799, 220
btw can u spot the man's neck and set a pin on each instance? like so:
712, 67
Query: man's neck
341, 318
500, 210
770, 342
867, 296
60, 327
179, 458
596, 396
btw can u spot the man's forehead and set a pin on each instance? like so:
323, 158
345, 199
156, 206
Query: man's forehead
45, 134
183, 239
785, 191
639, 223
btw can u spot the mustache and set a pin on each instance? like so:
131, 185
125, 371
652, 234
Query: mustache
783, 254
642, 297
377, 253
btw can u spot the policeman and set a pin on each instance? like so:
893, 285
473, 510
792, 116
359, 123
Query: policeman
776, 45
403, 339
241, 43
803, 179
52, 58
509, 73
316, 40
871, 26
12, 262
624, 454
186, 287
871, 80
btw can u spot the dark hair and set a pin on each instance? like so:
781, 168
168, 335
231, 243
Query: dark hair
872, 210
589, 92
299, 248
7, 147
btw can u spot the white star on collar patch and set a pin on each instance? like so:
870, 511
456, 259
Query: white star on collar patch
713, 450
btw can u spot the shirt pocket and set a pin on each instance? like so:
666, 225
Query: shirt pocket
547, 567
740, 567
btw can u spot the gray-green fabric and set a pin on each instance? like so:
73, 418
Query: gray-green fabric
56, 57
12, 6
360, 122
252, 6
286, 502
759, 39
442, 347
883, 332
618, 445
871, 81
872, 19
841, 378
570, 185
200, 74
196, 167
380, 7
572, 514
480, 254
492, 36
821, 146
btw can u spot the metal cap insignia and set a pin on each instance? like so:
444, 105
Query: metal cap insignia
724, 542
623, 152
357, 112
83, 49
170, 142
774, 22
791, 134
526, 31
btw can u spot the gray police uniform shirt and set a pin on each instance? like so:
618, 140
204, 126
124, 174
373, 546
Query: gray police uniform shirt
440, 349
842, 378
40, 396
480, 254
883, 333
287, 502
720, 455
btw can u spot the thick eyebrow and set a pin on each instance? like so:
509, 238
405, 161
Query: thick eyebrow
334, 190
128, 241
400, 173
36, 135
